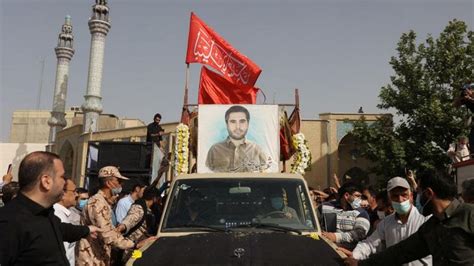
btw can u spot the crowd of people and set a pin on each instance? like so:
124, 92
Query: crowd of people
45, 219
414, 221
48, 220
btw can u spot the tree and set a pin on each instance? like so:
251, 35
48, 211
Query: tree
427, 78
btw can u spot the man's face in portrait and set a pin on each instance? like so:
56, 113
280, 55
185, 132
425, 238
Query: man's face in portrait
237, 125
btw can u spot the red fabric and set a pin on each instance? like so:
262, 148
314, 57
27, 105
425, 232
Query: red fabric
295, 121
215, 89
207, 47
285, 149
185, 116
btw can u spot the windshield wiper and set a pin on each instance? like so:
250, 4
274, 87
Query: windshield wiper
201, 227
271, 226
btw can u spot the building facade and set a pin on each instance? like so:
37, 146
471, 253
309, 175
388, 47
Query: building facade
333, 149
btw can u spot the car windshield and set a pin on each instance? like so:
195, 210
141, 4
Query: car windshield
244, 203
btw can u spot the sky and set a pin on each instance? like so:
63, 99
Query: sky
336, 52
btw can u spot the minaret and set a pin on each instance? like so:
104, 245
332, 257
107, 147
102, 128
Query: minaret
99, 27
64, 53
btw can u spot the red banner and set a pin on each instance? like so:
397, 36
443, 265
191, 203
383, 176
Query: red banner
205, 46
215, 89
295, 121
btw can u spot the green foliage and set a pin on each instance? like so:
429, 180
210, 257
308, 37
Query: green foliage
427, 77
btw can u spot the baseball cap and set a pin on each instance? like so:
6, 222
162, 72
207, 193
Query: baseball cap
397, 182
111, 171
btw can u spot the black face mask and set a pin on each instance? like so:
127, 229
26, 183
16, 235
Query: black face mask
427, 204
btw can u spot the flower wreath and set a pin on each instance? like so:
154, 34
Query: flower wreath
181, 148
302, 157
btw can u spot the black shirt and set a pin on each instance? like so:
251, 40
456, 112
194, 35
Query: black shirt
470, 106
33, 235
153, 128
450, 240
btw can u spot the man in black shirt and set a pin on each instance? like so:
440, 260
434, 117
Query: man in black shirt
448, 235
154, 130
30, 233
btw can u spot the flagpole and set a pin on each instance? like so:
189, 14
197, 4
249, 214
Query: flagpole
187, 77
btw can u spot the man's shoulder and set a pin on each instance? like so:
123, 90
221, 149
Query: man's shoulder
14, 211
219, 144
97, 200
465, 210
331, 205
123, 201
361, 212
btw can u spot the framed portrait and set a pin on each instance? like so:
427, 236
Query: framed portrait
238, 138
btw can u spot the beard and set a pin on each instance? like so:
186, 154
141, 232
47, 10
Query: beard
237, 134
427, 205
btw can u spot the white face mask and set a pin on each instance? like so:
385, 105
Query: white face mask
356, 203
381, 215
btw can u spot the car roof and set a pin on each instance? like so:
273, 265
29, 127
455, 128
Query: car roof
241, 175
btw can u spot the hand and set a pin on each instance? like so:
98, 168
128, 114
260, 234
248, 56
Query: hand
351, 261
120, 228
94, 230
320, 194
336, 181
7, 178
145, 241
347, 252
330, 236
333, 190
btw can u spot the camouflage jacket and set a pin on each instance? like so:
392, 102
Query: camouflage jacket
98, 212
134, 216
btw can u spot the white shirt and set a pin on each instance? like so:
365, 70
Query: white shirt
75, 216
389, 232
64, 215
122, 208
461, 152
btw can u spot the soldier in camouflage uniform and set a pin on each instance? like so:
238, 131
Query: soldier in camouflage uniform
140, 222
98, 212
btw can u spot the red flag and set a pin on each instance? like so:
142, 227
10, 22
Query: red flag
295, 121
215, 89
286, 148
207, 47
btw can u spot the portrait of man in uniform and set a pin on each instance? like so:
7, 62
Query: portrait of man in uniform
235, 151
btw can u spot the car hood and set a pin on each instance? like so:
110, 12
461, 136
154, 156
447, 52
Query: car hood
239, 248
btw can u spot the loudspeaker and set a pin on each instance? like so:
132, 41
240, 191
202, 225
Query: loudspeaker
128, 156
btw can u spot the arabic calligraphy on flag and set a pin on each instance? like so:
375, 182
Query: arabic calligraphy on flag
207, 47
215, 89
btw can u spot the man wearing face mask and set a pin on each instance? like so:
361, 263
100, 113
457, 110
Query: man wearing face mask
396, 227
384, 207
279, 205
352, 223
98, 211
76, 211
448, 235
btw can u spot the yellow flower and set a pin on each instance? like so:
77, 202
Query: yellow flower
136, 254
